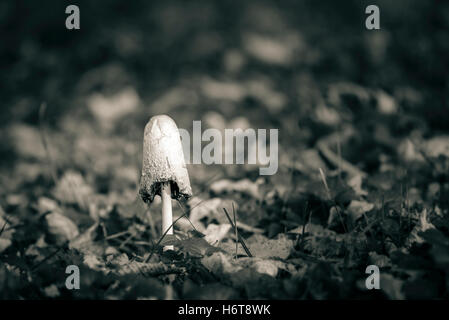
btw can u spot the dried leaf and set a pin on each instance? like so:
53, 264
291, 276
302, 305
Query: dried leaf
245, 186
437, 146
379, 260
72, 189
45, 205
61, 227
422, 226
357, 208
52, 291
391, 286
211, 208
4, 244
219, 264
270, 50
93, 262
386, 104
109, 109
215, 233
204, 209
85, 241
266, 267
263, 247
197, 247
356, 184
5, 235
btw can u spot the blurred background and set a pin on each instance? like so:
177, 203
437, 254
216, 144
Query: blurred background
74, 102
304, 67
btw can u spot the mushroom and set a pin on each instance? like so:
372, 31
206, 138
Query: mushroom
164, 171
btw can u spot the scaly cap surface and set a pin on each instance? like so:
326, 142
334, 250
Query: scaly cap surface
163, 160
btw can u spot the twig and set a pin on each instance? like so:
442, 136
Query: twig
236, 232
337, 161
116, 235
301, 239
185, 216
143, 243
103, 227
339, 156
326, 187
149, 269
3, 213
130, 237
245, 227
3, 228
334, 204
240, 239
48, 257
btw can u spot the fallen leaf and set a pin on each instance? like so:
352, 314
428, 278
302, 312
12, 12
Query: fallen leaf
211, 208
437, 146
262, 90
245, 186
93, 262
327, 115
262, 247
308, 162
218, 263
109, 109
340, 91
45, 205
357, 208
391, 286
203, 209
214, 120
27, 141
266, 267
379, 260
5, 234
61, 227
422, 226
356, 184
219, 90
85, 241
174, 97
72, 189
215, 233
315, 230
4, 244
197, 247
270, 50
386, 104
52, 291
440, 247
408, 152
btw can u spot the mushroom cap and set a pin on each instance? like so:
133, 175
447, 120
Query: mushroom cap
163, 160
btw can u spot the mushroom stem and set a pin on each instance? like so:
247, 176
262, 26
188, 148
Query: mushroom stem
167, 216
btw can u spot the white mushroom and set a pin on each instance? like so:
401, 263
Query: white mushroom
164, 172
